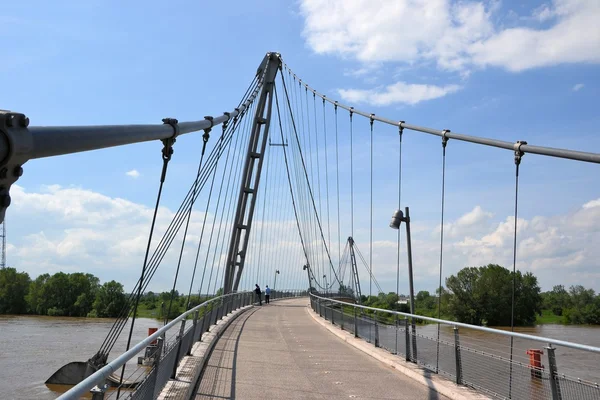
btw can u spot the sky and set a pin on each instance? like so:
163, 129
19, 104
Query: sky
510, 70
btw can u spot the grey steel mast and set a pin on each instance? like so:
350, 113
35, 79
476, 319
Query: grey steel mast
251, 176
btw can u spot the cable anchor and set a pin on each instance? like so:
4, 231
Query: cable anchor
167, 150
445, 137
518, 152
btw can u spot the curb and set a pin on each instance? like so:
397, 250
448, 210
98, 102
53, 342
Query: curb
190, 367
435, 382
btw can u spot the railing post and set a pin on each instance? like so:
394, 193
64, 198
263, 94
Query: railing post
457, 357
407, 337
342, 316
355, 323
160, 343
194, 327
376, 330
553, 371
332, 322
181, 330
98, 391
414, 339
397, 326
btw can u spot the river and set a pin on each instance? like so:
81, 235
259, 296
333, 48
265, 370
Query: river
32, 348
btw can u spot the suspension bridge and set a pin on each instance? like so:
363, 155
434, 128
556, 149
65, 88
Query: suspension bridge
276, 196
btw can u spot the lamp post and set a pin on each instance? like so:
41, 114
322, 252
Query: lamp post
326, 288
307, 269
275, 284
397, 220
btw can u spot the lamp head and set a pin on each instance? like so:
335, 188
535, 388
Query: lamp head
397, 219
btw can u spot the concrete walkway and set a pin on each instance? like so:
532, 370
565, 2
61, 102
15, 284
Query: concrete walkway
278, 351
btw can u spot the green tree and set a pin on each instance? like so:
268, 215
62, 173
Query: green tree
13, 290
484, 295
36, 301
110, 299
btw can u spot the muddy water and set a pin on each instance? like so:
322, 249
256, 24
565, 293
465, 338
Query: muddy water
32, 348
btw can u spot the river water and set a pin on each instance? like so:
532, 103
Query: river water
32, 348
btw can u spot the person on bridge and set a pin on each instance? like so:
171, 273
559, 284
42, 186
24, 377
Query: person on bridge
267, 294
258, 293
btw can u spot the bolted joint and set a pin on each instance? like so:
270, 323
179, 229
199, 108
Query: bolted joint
518, 152
371, 119
445, 137
401, 128
351, 112
335, 105
16, 146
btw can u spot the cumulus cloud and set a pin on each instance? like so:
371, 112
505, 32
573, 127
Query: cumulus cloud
133, 173
578, 87
456, 36
400, 92
74, 229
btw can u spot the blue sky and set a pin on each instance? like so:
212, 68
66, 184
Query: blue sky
507, 70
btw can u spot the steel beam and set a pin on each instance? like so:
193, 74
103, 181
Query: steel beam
251, 176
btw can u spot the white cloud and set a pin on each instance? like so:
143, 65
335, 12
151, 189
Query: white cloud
73, 229
456, 36
133, 173
400, 92
578, 87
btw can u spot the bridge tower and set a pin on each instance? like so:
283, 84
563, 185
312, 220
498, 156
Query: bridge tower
242, 223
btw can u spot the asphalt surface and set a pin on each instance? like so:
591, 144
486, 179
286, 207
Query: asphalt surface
278, 351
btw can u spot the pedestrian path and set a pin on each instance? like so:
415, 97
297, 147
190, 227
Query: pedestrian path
278, 351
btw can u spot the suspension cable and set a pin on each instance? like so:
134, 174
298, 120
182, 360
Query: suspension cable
444, 142
205, 138
167, 152
518, 156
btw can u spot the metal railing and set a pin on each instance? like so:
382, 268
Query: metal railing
168, 345
502, 364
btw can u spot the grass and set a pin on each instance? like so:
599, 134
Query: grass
548, 317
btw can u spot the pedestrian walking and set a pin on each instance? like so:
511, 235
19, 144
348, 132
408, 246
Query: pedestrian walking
267, 294
258, 293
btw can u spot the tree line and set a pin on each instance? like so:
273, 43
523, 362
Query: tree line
72, 295
82, 295
483, 296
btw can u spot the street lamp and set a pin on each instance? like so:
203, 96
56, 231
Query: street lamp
326, 288
307, 269
275, 284
397, 220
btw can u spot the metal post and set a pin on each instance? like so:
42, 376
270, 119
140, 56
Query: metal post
407, 337
412, 288
457, 357
275, 284
355, 323
194, 327
181, 330
376, 331
160, 343
252, 168
554, 383
98, 391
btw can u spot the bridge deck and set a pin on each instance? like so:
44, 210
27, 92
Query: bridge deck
279, 351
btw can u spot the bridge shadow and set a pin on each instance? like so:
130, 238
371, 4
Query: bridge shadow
222, 364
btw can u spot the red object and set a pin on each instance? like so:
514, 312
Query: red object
535, 362
150, 332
